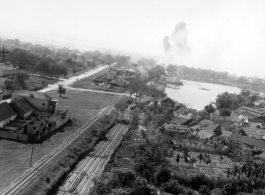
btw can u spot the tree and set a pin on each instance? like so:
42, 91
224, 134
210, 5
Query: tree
61, 90
135, 120
156, 72
43, 67
204, 190
135, 86
9, 85
209, 108
225, 112
120, 106
20, 80
171, 68
245, 92
172, 187
227, 100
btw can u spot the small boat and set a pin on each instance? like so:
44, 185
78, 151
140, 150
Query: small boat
202, 88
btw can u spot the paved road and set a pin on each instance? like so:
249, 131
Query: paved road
97, 91
69, 81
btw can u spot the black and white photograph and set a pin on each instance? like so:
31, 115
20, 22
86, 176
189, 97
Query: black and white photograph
132, 97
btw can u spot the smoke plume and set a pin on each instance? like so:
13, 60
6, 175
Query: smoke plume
177, 42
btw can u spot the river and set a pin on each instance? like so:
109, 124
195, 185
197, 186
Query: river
191, 95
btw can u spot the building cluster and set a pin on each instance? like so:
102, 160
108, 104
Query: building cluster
116, 77
30, 116
244, 126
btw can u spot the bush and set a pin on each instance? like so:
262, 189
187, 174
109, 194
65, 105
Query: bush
6, 96
225, 112
37, 88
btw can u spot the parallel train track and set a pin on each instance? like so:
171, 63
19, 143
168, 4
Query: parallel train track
23, 180
80, 181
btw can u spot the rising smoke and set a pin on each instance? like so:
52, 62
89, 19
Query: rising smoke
177, 42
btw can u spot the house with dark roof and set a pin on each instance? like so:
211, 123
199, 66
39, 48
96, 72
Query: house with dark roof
209, 132
39, 101
225, 133
167, 102
181, 120
7, 114
248, 141
22, 108
250, 113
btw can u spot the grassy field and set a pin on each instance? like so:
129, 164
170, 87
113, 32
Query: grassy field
87, 83
15, 157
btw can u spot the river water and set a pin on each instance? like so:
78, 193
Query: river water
191, 95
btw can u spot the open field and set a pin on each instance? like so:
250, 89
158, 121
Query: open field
15, 157
82, 105
87, 83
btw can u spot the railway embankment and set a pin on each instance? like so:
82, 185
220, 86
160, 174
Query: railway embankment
48, 175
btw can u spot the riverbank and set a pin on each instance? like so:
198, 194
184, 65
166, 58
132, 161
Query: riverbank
253, 88
192, 95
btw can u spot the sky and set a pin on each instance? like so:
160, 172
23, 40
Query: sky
226, 35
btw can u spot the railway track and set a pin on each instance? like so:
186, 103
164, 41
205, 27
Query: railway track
21, 182
81, 180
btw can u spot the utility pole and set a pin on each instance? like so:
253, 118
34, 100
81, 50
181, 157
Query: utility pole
4, 52
31, 156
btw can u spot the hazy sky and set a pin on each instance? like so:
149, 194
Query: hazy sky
213, 34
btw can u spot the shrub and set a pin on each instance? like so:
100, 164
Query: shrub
37, 88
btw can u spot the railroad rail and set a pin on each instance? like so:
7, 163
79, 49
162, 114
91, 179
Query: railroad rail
80, 181
23, 180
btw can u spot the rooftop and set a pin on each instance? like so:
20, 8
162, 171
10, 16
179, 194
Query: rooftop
248, 140
21, 106
250, 111
34, 94
180, 120
6, 111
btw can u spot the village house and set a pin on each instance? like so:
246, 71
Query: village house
167, 103
22, 108
40, 101
250, 113
225, 133
181, 111
181, 120
209, 132
248, 141
7, 114
144, 101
